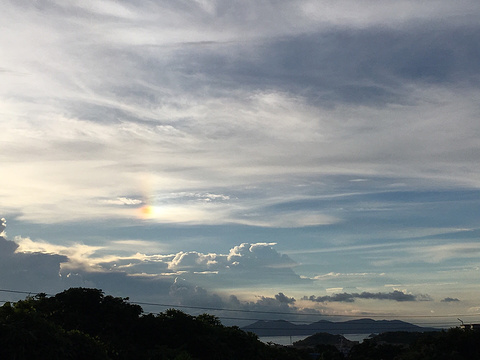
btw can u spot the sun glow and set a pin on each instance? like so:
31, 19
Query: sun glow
148, 211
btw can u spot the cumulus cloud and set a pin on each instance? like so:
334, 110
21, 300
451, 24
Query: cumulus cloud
240, 263
84, 265
245, 256
346, 297
243, 261
28, 267
194, 261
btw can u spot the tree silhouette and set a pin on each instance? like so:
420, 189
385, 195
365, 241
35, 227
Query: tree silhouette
81, 323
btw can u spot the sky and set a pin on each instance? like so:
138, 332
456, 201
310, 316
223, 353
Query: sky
291, 159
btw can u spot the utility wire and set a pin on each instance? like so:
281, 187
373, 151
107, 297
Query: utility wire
267, 312
250, 328
303, 314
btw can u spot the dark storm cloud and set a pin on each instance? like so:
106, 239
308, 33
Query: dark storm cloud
346, 297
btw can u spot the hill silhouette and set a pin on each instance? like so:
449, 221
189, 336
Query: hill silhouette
358, 326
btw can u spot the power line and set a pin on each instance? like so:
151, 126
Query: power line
290, 321
267, 312
303, 314
435, 325
20, 292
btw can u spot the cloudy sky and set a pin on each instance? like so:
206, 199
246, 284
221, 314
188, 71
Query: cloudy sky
296, 156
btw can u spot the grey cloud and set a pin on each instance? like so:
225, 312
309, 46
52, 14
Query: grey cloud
7, 248
284, 299
40, 272
449, 299
28, 271
187, 293
346, 297
119, 283
266, 307
371, 66
273, 304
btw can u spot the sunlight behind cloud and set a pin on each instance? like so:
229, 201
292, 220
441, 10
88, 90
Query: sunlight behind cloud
79, 255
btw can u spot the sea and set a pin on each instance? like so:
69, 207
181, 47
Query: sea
289, 340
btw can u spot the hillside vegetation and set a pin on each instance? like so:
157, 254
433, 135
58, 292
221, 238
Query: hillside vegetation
82, 323
453, 344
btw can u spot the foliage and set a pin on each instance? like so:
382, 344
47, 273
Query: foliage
26, 333
454, 344
328, 352
82, 323
321, 338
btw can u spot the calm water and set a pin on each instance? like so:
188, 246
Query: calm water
289, 340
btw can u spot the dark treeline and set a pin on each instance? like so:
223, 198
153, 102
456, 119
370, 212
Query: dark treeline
453, 344
82, 323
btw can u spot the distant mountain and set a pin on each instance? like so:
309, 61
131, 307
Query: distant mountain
359, 326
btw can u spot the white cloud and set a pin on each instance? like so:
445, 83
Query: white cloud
432, 253
3, 225
78, 255
266, 143
193, 260
333, 275
385, 13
